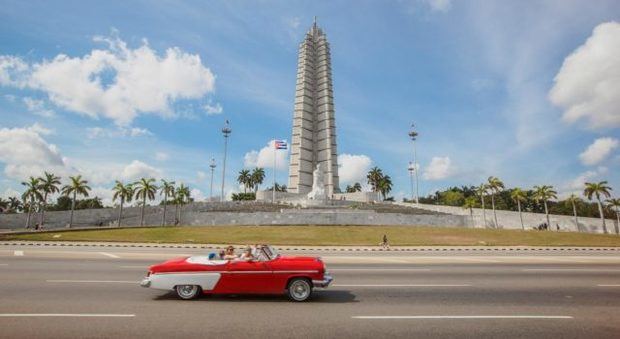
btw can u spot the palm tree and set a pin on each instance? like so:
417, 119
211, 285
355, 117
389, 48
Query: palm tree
183, 196
125, 194
31, 194
145, 189
574, 200
4, 205
357, 187
167, 189
482, 191
385, 186
470, 203
257, 177
615, 203
598, 189
15, 205
245, 179
545, 193
519, 195
495, 186
75, 187
49, 185
374, 177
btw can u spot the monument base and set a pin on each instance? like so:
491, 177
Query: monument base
302, 199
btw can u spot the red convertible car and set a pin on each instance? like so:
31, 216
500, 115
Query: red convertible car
269, 273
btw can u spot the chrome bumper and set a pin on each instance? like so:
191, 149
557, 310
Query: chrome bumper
327, 279
146, 282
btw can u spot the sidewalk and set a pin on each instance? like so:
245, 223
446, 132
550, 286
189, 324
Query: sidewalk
479, 249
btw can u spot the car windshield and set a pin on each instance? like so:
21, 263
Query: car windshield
271, 252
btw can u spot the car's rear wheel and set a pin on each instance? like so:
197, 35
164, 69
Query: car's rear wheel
187, 292
299, 289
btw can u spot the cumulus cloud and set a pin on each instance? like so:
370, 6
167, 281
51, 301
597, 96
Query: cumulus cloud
588, 83
598, 151
161, 156
264, 157
439, 168
577, 185
24, 152
213, 109
9, 192
137, 170
197, 194
440, 5
99, 132
38, 107
353, 168
116, 82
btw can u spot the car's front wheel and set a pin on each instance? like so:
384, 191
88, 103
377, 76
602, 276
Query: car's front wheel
299, 289
187, 291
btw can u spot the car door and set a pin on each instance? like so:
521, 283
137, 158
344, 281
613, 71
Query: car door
246, 277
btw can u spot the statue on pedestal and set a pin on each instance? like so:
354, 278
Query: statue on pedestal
318, 185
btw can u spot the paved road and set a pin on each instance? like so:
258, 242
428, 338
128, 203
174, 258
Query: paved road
373, 295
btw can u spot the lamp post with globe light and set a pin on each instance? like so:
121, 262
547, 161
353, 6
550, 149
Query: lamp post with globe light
212, 166
226, 130
413, 135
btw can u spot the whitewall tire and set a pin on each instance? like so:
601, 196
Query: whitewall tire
187, 292
299, 289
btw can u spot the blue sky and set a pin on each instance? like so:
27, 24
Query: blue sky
118, 90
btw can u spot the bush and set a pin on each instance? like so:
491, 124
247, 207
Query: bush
243, 196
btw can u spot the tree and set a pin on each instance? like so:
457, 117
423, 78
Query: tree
4, 205
545, 193
49, 185
482, 191
374, 176
573, 200
125, 194
167, 189
257, 177
31, 194
615, 204
385, 186
144, 189
598, 189
184, 196
245, 179
77, 186
495, 186
357, 187
519, 196
470, 203
15, 205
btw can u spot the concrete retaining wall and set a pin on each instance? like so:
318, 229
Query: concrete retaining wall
510, 219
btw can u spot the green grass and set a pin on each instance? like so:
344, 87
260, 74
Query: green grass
329, 235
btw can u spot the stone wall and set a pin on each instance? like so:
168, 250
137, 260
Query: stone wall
510, 219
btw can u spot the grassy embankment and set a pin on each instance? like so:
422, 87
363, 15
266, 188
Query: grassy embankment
329, 235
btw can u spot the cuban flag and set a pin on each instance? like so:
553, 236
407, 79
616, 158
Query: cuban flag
280, 144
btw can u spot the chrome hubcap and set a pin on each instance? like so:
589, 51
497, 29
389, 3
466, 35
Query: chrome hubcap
187, 291
300, 290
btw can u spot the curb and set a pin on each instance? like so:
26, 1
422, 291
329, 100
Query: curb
322, 248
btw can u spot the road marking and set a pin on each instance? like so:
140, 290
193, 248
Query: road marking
465, 317
109, 255
65, 315
380, 269
4, 264
469, 259
18, 253
401, 285
569, 270
94, 281
608, 285
143, 266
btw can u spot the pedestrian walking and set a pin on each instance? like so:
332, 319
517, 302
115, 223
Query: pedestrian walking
385, 243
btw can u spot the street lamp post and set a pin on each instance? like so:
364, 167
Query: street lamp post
411, 169
212, 166
226, 130
414, 135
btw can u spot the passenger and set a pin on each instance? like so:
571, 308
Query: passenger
247, 254
230, 253
222, 254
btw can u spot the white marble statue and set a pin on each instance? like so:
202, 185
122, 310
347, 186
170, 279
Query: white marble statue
318, 185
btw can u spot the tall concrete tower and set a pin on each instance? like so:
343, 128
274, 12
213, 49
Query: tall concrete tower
314, 124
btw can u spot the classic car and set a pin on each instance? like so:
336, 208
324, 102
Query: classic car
268, 273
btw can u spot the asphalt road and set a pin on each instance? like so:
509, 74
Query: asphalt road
93, 293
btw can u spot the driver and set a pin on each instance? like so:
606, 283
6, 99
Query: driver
230, 253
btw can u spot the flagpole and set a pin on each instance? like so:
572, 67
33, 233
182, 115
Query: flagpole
273, 193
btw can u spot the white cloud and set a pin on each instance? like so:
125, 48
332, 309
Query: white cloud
9, 192
24, 153
264, 157
104, 193
577, 184
213, 109
37, 107
161, 156
197, 194
440, 5
439, 168
137, 169
201, 176
293, 22
353, 168
98, 132
598, 151
588, 83
117, 82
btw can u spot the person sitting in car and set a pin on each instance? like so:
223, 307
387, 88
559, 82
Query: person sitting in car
230, 253
247, 254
